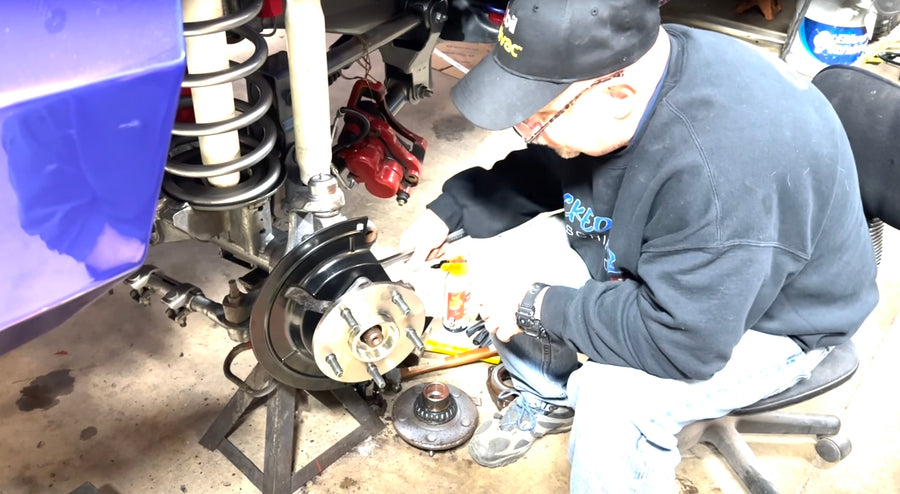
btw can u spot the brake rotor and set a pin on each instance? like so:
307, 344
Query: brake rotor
329, 314
434, 416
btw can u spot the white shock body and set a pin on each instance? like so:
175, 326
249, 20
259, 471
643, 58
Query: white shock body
308, 63
205, 54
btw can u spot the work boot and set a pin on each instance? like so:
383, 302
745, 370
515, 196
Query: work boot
508, 436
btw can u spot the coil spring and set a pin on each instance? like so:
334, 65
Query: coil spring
262, 172
876, 232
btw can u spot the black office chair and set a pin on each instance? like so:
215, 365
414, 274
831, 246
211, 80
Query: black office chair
869, 107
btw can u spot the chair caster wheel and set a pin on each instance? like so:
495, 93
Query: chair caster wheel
833, 448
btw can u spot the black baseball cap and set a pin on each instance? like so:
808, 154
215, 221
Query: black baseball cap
545, 45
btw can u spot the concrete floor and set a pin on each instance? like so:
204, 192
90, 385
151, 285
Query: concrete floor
127, 394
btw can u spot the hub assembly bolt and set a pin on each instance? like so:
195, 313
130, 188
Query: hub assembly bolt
351, 321
414, 336
335, 366
376, 376
400, 303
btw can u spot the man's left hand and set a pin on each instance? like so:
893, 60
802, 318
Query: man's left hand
497, 302
504, 335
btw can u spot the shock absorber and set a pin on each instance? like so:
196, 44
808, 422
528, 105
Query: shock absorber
235, 168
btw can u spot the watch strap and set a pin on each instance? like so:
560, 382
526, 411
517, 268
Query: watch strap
526, 314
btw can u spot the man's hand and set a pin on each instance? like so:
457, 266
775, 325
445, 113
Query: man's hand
426, 237
505, 331
498, 307
497, 302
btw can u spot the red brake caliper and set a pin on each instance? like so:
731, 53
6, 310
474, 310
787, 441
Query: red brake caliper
371, 149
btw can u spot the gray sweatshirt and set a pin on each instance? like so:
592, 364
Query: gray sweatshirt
735, 207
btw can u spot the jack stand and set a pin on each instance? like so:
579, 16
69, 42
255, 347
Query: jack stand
277, 476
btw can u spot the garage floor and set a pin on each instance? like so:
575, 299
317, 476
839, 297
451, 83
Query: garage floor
119, 396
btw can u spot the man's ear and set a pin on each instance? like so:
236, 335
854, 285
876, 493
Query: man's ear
622, 100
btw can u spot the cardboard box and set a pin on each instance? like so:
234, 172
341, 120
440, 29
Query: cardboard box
455, 58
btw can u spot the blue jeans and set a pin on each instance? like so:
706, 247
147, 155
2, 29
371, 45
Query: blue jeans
623, 439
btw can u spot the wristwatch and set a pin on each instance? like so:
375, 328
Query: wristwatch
525, 319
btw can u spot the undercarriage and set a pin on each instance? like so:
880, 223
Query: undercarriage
264, 177
260, 166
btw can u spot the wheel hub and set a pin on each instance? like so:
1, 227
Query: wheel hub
329, 314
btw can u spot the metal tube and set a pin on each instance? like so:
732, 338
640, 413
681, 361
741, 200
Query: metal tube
186, 297
306, 47
395, 99
346, 53
265, 259
205, 54
402, 256
216, 313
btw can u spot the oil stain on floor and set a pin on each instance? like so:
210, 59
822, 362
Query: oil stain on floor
43, 392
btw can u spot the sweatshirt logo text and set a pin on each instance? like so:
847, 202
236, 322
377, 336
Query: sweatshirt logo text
581, 222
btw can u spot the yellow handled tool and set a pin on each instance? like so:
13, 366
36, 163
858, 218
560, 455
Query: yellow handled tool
466, 357
445, 349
